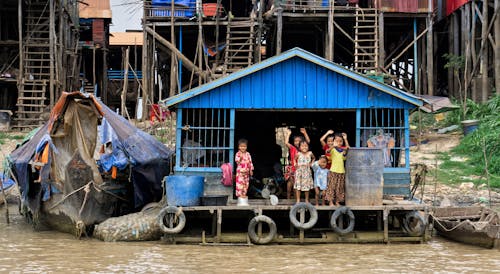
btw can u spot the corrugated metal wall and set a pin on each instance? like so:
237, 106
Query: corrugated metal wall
295, 84
410, 6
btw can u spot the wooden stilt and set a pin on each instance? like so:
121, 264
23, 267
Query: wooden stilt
145, 76
430, 52
331, 29
381, 41
497, 48
484, 54
279, 31
52, 26
125, 84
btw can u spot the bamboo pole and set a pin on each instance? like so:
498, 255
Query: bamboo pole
451, 76
185, 61
145, 75
430, 52
125, 83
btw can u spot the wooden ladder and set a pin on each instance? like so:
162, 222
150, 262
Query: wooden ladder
32, 96
366, 40
240, 44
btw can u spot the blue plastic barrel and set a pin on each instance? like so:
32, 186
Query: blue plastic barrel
184, 190
364, 179
470, 126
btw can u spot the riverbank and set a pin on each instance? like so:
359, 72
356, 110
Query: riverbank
462, 191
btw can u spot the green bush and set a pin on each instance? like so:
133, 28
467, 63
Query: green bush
488, 135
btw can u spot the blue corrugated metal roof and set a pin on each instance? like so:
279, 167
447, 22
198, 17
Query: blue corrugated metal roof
296, 79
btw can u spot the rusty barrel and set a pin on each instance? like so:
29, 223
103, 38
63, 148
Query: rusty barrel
364, 181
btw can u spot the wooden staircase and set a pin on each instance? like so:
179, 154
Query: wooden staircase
240, 44
32, 96
366, 36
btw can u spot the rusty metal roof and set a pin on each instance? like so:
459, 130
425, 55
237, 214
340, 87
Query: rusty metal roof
94, 9
126, 39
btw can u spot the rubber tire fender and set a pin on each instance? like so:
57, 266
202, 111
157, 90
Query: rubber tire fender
412, 231
253, 235
339, 212
312, 211
181, 217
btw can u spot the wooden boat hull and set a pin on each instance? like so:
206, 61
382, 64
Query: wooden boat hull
468, 225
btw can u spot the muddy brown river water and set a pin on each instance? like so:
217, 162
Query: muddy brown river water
26, 251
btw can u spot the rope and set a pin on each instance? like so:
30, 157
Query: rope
71, 193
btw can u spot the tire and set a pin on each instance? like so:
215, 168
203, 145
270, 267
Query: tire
303, 206
259, 239
419, 228
178, 217
338, 213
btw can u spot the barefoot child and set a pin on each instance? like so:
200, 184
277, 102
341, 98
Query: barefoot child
244, 168
293, 150
336, 178
303, 174
320, 178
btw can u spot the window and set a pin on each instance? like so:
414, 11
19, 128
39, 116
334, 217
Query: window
386, 128
204, 138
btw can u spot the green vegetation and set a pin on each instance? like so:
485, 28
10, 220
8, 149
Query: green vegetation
5, 136
473, 147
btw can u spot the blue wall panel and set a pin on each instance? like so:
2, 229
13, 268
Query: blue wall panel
295, 84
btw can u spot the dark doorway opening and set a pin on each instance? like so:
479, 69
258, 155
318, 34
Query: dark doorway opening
261, 129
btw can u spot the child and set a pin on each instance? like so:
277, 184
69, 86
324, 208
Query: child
328, 145
320, 177
336, 178
303, 175
244, 168
293, 150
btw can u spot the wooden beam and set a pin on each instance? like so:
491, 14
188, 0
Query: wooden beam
185, 61
406, 48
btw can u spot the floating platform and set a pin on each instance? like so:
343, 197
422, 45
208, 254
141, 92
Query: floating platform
232, 224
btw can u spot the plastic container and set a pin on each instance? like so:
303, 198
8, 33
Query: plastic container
469, 126
364, 177
214, 200
184, 190
210, 9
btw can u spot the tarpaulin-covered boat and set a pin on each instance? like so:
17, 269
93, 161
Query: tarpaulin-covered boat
86, 164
